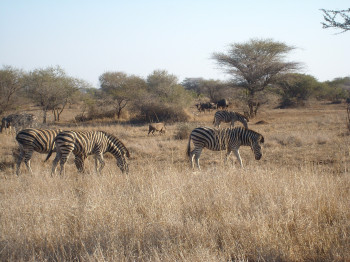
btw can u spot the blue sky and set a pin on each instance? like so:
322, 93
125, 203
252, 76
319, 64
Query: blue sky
87, 38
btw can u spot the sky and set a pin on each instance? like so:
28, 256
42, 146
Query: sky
88, 38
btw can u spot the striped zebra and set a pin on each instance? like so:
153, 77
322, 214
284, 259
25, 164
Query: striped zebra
85, 143
226, 139
17, 121
30, 140
229, 116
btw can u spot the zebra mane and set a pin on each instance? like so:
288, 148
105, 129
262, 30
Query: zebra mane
252, 132
116, 141
239, 114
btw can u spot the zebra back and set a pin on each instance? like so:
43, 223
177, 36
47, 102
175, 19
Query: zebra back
41, 140
241, 117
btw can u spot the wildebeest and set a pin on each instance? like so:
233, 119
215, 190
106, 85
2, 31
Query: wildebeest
17, 121
223, 103
156, 127
205, 106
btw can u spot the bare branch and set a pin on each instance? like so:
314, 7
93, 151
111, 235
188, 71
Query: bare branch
336, 19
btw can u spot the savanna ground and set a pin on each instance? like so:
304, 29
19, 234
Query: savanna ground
292, 205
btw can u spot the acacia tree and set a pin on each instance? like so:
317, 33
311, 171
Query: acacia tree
336, 19
51, 88
11, 82
254, 65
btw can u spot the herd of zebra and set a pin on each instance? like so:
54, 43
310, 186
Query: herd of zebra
97, 143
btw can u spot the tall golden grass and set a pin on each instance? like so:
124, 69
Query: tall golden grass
293, 205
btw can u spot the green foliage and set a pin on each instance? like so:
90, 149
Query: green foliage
164, 87
334, 90
51, 88
160, 112
165, 99
11, 82
255, 65
215, 90
120, 88
296, 88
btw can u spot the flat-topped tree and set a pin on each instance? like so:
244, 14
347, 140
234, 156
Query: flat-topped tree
254, 65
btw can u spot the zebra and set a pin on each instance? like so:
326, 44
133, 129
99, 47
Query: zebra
229, 139
229, 116
18, 121
30, 140
85, 143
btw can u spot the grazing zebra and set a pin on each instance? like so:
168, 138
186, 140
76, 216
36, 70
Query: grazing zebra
85, 143
17, 121
229, 116
30, 140
229, 139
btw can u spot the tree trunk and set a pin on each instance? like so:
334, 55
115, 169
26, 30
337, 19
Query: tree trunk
119, 112
44, 116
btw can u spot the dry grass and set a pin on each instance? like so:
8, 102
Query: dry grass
293, 205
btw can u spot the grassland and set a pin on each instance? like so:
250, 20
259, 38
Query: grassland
292, 205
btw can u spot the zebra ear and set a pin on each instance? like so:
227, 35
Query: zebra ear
262, 140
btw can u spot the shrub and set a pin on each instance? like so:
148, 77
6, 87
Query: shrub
161, 112
183, 131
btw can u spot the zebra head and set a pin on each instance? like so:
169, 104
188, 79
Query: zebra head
5, 124
256, 146
122, 163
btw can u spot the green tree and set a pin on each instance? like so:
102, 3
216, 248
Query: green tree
214, 89
51, 89
254, 65
296, 88
121, 89
193, 84
11, 82
337, 89
165, 99
164, 87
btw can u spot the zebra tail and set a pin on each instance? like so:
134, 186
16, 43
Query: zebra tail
48, 155
189, 147
50, 151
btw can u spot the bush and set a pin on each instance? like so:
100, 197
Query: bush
160, 112
183, 131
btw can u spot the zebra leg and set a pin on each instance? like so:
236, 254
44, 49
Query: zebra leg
19, 160
236, 151
191, 158
55, 162
196, 154
227, 154
27, 158
99, 157
62, 164
79, 163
